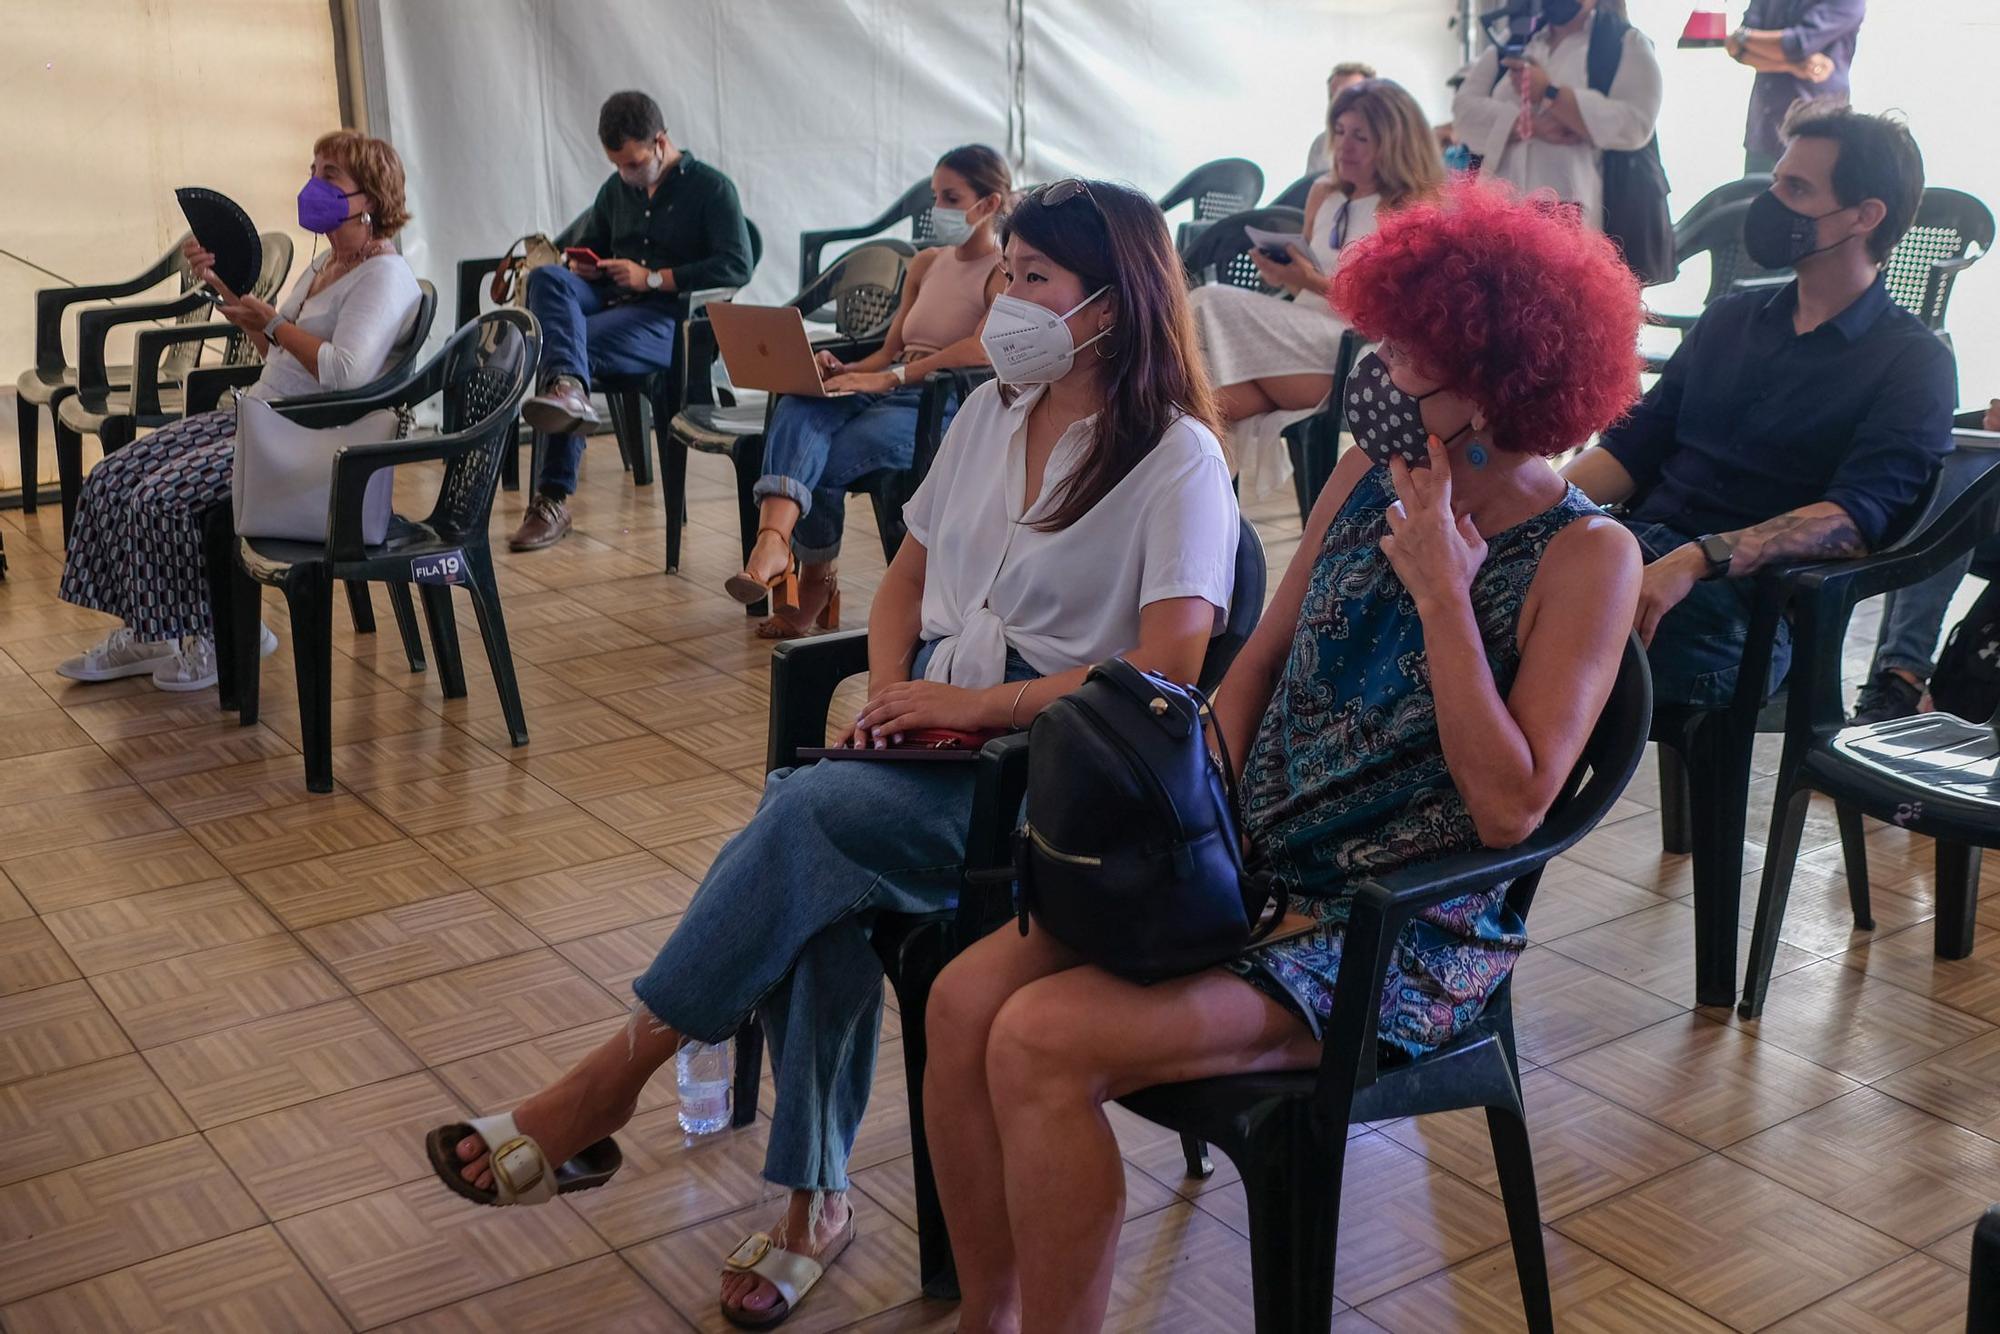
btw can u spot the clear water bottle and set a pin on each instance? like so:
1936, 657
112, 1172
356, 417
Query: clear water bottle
705, 1075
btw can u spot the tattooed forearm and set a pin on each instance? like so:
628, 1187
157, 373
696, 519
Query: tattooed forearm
1817, 532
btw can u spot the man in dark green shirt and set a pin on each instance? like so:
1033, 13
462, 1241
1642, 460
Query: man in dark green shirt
663, 226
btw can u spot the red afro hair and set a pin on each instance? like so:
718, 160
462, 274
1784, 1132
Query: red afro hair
1509, 301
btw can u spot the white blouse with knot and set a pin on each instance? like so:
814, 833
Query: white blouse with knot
361, 316
1071, 597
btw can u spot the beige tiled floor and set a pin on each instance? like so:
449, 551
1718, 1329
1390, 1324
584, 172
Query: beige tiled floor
228, 1010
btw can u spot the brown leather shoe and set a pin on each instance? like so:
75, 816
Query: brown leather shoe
545, 524
562, 408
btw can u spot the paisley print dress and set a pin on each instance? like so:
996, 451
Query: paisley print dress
1346, 778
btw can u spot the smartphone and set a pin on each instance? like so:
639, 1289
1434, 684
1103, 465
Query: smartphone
578, 254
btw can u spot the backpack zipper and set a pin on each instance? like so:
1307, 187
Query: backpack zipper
1050, 850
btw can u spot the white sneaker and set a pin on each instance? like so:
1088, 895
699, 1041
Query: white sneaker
192, 666
267, 643
120, 654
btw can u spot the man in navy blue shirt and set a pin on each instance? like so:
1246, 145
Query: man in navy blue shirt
1796, 424
1801, 50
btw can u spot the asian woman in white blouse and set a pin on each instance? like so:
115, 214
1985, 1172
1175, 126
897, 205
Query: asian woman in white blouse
1078, 510
1271, 356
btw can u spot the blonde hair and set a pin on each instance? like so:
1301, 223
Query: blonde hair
376, 168
1408, 163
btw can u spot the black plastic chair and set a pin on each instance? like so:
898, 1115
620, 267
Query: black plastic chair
153, 399
915, 948
862, 288
482, 375
206, 389
1932, 774
914, 206
1982, 1308
1221, 254
1314, 443
1714, 227
1216, 190
1708, 818
53, 379
1295, 194
1952, 230
1288, 1132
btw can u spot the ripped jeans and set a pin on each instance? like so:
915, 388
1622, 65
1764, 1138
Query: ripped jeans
781, 927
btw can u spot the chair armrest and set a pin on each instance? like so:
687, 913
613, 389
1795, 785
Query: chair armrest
51, 302
92, 327
339, 407
353, 465
939, 386
804, 675
999, 786
205, 387
150, 348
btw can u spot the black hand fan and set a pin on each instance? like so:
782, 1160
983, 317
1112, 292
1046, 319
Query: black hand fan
225, 231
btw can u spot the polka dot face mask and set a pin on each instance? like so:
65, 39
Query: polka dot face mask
1386, 422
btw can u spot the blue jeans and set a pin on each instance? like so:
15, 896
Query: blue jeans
781, 927
583, 336
816, 447
1913, 617
1697, 651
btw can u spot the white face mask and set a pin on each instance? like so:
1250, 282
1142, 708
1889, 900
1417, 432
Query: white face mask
950, 226
1031, 344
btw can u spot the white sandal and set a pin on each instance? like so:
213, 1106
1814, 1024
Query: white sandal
521, 1172
792, 1274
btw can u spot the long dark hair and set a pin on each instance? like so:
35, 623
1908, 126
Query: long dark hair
1113, 236
981, 168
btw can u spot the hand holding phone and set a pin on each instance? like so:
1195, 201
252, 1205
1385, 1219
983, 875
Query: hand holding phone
581, 256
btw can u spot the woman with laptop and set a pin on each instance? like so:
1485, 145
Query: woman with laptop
814, 447
1271, 356
1078, 509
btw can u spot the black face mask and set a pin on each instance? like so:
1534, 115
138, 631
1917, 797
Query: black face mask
1559, 12
1778, 236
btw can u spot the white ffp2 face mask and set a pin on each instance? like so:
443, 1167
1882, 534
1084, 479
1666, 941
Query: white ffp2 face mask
1031, 344
950, 226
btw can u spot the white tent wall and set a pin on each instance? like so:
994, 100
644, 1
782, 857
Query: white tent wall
825, 110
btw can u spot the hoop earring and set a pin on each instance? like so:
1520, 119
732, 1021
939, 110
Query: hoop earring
1102, 355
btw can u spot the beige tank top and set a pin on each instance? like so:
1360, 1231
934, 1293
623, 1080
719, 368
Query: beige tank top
950, 303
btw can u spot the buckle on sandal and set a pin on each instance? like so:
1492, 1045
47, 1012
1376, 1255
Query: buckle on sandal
506, 1177
748, 1252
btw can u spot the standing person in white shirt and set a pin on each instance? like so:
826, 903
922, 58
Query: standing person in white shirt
1536, 122
1077, 510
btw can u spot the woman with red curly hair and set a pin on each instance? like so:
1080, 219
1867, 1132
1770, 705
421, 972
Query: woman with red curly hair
1421, 685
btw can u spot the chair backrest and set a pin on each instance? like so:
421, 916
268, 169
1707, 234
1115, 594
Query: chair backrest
1949, 225
483, 373
1217, 189
1221, 254
1611, 756
1296, 193
914, 205
1246, 604
863, 287
240, 351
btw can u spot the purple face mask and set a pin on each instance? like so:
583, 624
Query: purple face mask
323, 205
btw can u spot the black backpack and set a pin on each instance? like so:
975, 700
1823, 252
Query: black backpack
1636, 217
1967, 678
1128, 852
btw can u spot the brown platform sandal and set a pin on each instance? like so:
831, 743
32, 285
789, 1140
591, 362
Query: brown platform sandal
781, 624
782, 588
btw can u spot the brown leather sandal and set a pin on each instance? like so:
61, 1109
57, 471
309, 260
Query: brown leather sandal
782, 588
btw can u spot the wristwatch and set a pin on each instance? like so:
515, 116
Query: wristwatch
271, 329
655, 280
1718, 551
901, 371
1550, 93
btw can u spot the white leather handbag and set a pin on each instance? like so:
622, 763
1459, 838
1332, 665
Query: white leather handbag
283, 478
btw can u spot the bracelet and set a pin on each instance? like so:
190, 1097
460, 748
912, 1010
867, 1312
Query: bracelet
901, 371
1016, 706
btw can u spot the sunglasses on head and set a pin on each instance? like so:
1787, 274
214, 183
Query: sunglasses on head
1061, 192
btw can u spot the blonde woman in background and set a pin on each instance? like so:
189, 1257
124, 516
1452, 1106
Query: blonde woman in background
1271, 357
